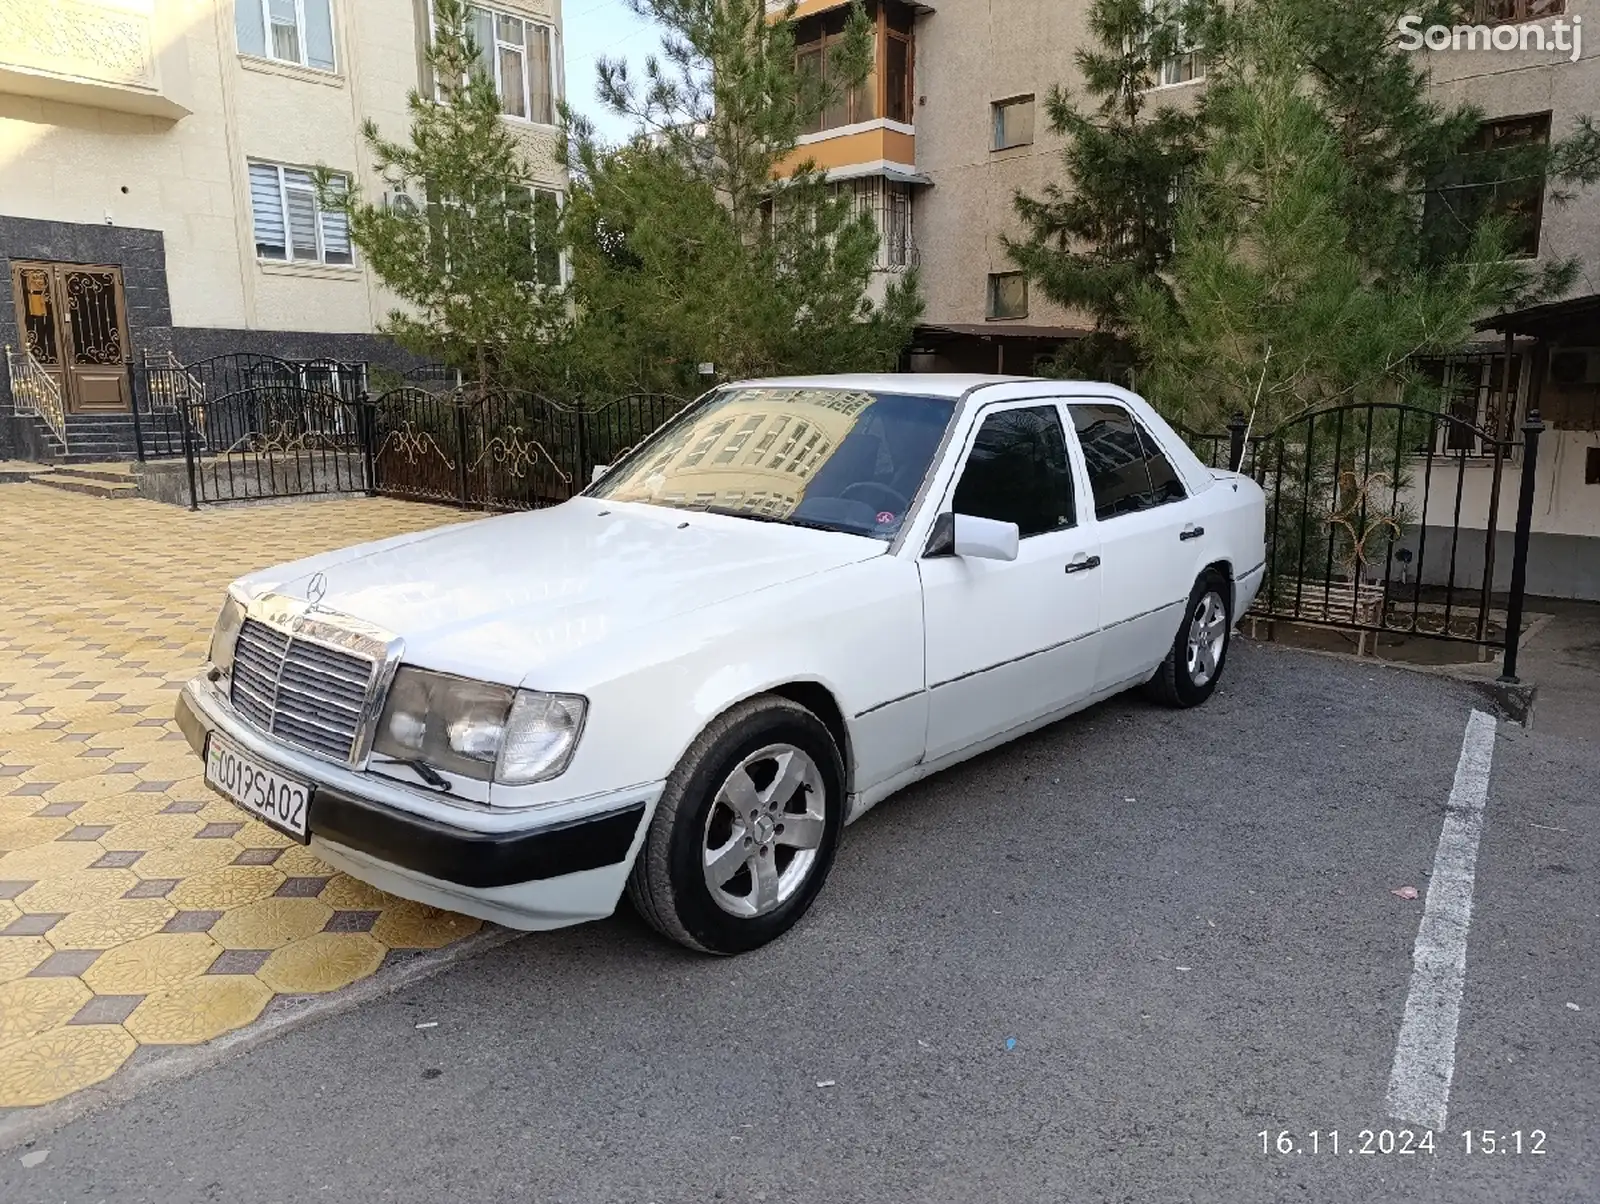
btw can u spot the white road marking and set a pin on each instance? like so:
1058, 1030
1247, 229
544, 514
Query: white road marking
1425, 1056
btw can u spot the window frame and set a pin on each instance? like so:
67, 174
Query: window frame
997, 112
304, 60
1164, 74
991, 310
318, 213
822, 47
1481, 14
979, 420
1499, 196
553, 61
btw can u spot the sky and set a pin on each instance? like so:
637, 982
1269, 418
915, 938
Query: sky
596, 28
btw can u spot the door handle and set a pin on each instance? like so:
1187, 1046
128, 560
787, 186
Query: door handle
1083, 564
1191, 532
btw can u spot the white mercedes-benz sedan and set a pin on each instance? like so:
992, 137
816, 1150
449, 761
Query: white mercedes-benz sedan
794, 599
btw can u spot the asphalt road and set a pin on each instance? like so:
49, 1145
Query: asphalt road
1183, 922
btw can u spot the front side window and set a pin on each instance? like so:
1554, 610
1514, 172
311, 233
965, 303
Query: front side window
839, 459
1127, 469
288, 31
1017, 472
289, 222
516, 54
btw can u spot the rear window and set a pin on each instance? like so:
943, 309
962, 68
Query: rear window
1127, 469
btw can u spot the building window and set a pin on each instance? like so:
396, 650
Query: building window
289, 223
1184, 63
1505, 12
814, 47
288, 31
1008, 295
1492, 176
517, 54
536, 215
897, 79
1013, 122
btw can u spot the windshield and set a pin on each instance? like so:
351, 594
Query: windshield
839, 459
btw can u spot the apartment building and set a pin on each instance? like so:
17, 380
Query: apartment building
155, 174
951, 126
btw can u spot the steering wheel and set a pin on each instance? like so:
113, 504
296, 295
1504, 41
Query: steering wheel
899, 502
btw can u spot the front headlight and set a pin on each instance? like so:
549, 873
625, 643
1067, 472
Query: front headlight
226, 633
478, 730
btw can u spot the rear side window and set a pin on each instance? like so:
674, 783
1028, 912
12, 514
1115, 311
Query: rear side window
1127, 470
1017, 472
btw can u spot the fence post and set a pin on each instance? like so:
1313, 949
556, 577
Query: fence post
186, 414
585, 469
1531, 430
135, 377
367, 423
461, 450
1237, 425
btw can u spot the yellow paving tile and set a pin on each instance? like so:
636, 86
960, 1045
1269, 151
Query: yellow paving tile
230, 886
116, 923
352, 894
20, 954
297, 861
79, 889
59, 1061
46, 860
198, 1010
270, 923
26, 833
408, 925
188, 859
152, 963
155, 832
29, 1006
323, 962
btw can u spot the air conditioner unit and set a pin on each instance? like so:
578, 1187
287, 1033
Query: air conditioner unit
400, 202
1575, 366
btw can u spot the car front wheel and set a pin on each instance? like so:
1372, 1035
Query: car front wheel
746, 829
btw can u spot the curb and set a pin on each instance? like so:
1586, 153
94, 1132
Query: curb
28, 1124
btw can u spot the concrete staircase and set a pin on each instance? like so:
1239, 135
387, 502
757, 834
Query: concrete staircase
98, 438
108, 480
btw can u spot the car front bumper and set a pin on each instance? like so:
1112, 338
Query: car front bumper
564, 864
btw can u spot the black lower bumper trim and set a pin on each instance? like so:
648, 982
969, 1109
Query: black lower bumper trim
471, 859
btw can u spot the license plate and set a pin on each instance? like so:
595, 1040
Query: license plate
272, 797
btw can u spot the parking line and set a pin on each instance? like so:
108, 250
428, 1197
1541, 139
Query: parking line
1425, 1056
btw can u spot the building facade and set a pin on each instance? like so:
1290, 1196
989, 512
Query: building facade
156, 162
958, 132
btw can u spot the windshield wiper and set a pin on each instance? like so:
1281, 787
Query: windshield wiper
423, 770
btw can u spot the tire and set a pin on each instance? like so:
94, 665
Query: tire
1184, 680
751, 745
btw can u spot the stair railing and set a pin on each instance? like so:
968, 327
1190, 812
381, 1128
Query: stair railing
34, 391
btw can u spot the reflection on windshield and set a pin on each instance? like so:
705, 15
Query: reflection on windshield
836, 458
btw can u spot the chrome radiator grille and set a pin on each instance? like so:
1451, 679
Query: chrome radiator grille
304, 693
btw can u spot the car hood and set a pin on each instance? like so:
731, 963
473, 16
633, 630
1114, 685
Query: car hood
498, 598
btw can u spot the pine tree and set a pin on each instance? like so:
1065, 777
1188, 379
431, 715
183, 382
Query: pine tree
471, 264
696, 242
1107, 229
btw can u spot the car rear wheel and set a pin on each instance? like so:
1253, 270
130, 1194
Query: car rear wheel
1194, 663
745, 832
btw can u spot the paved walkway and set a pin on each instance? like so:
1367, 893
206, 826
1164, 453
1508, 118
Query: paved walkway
136, 907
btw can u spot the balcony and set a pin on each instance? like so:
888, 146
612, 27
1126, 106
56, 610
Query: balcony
107, 55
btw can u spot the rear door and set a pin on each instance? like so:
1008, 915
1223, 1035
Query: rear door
1145, 536
1008, 641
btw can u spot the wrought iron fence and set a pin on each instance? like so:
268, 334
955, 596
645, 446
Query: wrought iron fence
497, 450
1390, 519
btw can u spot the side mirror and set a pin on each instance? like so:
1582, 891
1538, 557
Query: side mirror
600, 470
978, 538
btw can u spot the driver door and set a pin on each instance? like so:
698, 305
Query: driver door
1010, 641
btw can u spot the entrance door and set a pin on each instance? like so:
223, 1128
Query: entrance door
73, 320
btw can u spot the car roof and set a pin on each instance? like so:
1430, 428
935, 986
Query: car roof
919, 384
